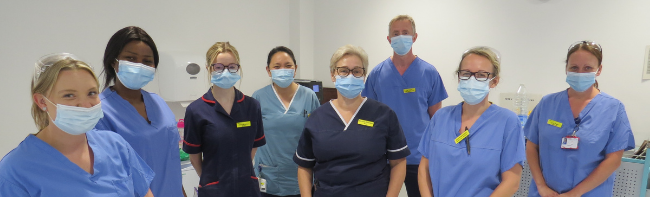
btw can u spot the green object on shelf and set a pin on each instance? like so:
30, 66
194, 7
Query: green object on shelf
184, 155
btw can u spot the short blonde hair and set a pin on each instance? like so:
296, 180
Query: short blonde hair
349, 50
220, 47
44, 81
399, 18
487, 52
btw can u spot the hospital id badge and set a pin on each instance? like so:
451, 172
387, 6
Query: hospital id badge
570, 142
262, 184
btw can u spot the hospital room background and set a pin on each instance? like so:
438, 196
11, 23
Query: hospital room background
532, 36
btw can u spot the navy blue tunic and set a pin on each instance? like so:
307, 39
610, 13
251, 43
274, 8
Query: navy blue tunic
351, 159
226, 142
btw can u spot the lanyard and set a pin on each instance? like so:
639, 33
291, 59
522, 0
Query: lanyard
578, 120
575, 129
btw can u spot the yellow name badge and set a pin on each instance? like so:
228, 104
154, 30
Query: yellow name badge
409, 90
554, 123
461, 136
366, 123
244, 124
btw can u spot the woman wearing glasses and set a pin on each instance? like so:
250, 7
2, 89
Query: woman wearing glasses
351, 146
474, 148
576, 137
223, 129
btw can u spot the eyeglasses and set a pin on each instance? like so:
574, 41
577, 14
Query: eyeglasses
480, 75
588, 43
219, 68
356, 72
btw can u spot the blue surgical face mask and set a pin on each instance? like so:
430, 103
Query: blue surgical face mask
76, 120
135, 75
282, 77
224, 79
473, 91
401, 44
350, 86
581, 81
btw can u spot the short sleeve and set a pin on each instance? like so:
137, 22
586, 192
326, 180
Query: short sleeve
193, 133
304, 155
438, 91
425, 141
315, 103
259, 140
9, 189
531, 129
620, 137
141, 173
396, 142
513, 149
368, 90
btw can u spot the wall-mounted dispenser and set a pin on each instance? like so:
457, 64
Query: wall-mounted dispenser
182, 77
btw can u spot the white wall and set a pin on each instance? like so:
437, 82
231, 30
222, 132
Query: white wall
33, 29
532, 35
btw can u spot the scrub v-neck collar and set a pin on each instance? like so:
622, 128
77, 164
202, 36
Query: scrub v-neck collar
286, 108
354, 115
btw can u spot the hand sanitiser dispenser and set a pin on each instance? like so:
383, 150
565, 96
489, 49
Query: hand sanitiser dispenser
182, 77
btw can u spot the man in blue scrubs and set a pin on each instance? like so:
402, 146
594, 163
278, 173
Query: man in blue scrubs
409, 86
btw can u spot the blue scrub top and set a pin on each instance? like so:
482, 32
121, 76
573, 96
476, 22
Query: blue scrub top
226, 141
409, 95
282, 129
604, 129
35, 168
351, 159
156, 143
496, 145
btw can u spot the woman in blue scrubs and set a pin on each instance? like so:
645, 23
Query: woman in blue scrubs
67, 157
576, 137
474, 148
223, 129
285, 108
351, 146
142, 118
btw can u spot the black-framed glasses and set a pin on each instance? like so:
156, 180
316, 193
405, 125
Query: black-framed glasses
480, 75
219, 68
587, 42
356, 72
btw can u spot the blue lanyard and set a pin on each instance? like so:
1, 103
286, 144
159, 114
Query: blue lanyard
578, 120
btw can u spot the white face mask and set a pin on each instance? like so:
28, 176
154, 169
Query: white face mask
76, 120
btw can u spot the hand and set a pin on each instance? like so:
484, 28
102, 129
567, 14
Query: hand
570, 194
545, 191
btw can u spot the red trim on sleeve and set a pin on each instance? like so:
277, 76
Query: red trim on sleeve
242, 98
213, 183
190, 144
252, 177
208, 101
258, 139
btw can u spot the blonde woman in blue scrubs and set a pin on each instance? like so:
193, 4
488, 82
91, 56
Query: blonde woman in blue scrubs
474, 148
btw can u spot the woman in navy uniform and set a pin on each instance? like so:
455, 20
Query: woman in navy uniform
223, 129
351, 146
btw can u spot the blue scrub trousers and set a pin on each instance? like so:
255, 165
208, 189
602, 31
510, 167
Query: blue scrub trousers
411, 181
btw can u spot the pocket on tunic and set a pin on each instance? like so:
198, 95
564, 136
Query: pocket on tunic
210, 189
124, 187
